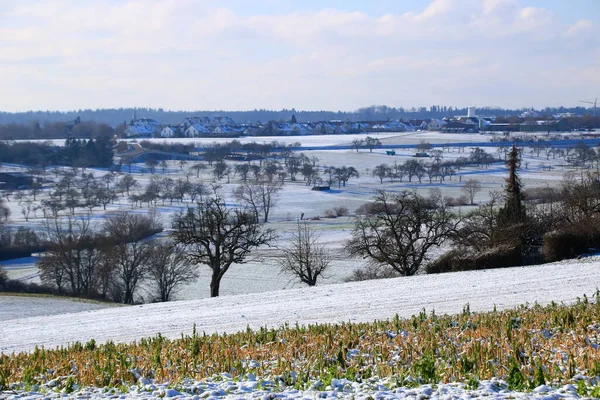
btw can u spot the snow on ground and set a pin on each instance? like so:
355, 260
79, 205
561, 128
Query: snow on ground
296, 199
14, 307
304, 140
226, 388
356, 302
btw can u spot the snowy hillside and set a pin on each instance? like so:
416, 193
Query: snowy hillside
363, 301
14, 307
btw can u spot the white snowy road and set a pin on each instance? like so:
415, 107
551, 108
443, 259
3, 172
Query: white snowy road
358, 302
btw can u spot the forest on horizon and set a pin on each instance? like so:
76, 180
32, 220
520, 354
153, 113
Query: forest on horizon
117, 116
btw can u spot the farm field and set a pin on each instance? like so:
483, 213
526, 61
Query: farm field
349, 302
16, 307
465, 296
257, 295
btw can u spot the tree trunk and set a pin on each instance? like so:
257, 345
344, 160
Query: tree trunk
215, 283
128, 298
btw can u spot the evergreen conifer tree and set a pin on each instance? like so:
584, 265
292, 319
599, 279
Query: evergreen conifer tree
513, 211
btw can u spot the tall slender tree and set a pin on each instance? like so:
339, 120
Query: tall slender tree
513, 210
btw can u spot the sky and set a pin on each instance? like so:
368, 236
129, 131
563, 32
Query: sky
302, 54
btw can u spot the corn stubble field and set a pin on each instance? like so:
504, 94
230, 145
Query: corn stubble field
526, 347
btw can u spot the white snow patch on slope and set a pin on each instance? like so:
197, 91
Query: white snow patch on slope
362, 301
14, 307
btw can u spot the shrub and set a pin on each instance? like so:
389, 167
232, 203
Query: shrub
341, 211
330, 214
496, 257
444, 263
457, 201
372, 272
369, 208
337, 212
561, 245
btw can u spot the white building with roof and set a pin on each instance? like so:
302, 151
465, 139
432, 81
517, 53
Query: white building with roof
196, 130
139, 131
169, 131
436, 124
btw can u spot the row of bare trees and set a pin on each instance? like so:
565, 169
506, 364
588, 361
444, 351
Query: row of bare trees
115, 261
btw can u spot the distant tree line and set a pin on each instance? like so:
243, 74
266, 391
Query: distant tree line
118, 116
53, 129
96, 152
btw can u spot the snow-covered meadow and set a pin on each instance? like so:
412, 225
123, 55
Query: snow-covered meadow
256, 294
296, 200
349, 302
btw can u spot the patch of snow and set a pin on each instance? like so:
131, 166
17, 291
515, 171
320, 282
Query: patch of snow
356, 302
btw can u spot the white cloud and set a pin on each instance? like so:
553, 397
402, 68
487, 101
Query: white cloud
583, 27
190, 54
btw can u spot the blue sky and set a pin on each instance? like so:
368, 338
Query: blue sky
567, 11
303, 54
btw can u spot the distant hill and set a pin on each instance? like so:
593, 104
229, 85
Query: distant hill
116, 116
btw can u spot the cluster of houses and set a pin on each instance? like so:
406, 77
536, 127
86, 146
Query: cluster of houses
193, 127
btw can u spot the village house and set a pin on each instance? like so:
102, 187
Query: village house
324, 128
436, 124
169, 131
459, 127
133, 131
142, 127
196, 130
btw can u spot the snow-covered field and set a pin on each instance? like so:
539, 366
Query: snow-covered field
296, 199
305, 140
356, 302
16, 307
256, 294
226, 388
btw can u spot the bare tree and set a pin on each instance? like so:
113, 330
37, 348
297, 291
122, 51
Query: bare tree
36, 188
3, 276
243, 170
104, 196
219, 170
371, 143
151, 163
163, 165
217, 236
259, 196
400, 229
305, 258
198, 168
168, 269
343, 174
126, 183
4, 212
27, 207
424, 146
108, 179
129, 251
357, 144
196, 190
72, 258
471, 187
382, 171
